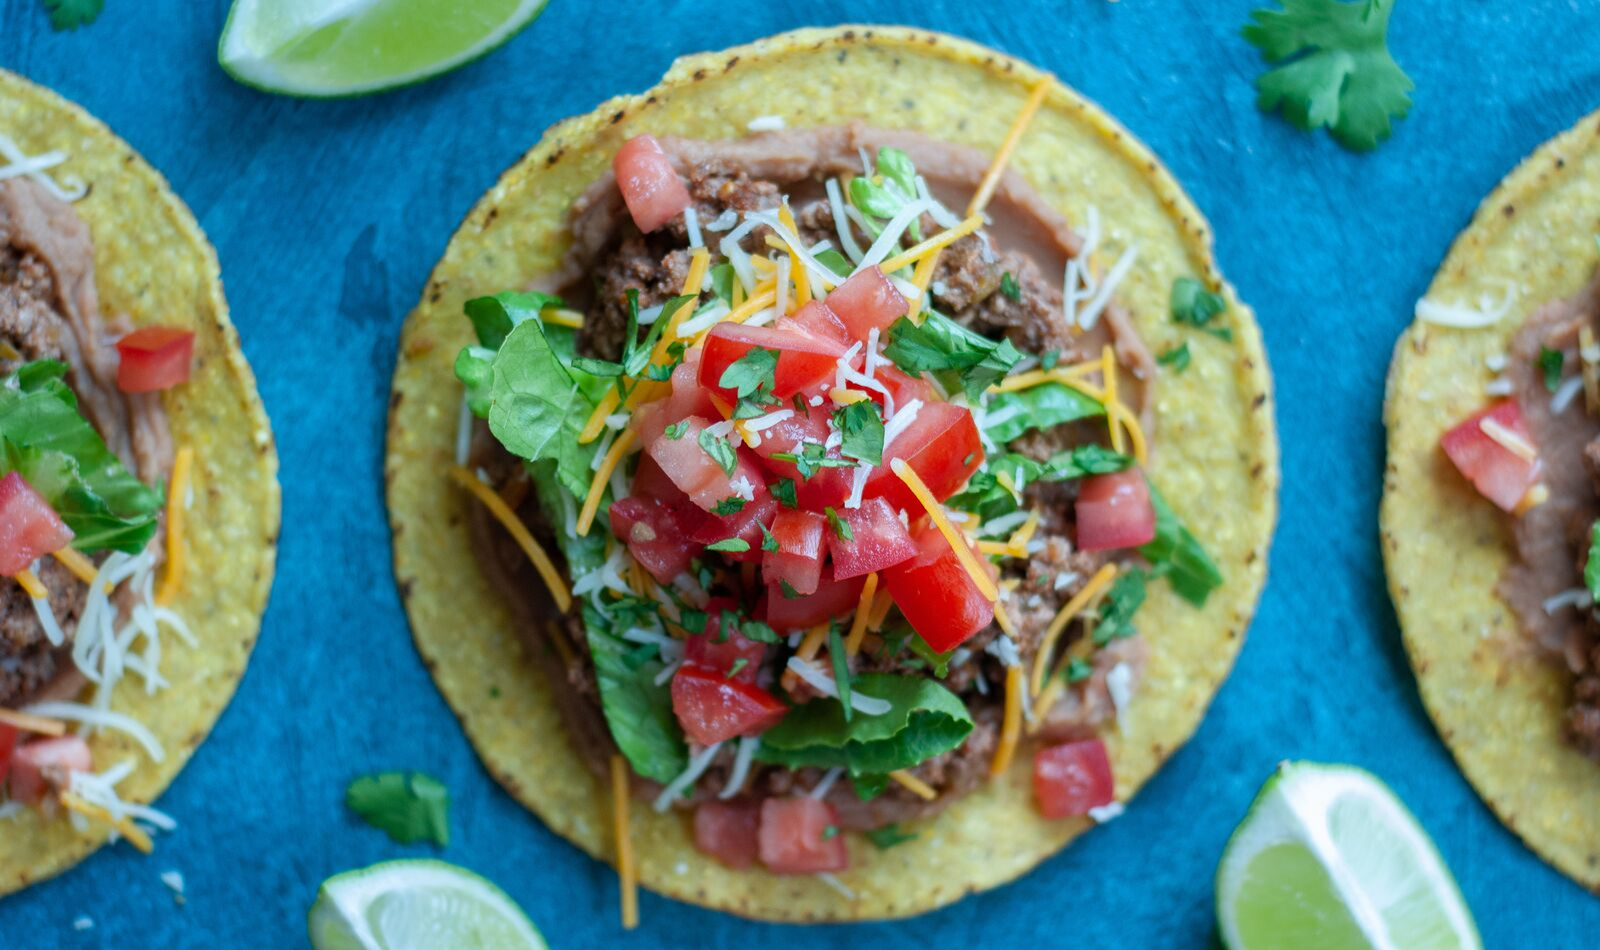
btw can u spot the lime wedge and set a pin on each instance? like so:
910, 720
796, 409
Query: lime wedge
348, 47
417, 905
1328, 857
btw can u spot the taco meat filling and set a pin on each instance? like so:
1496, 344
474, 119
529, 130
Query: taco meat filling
1537, 454
757, 458
82, 437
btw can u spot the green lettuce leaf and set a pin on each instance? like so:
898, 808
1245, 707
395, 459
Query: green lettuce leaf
1037, 407
46, 440
1178, 556
924, 720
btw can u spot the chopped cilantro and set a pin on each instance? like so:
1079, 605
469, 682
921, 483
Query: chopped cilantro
693, 620
834, 261
731, 545
890, 835
677, 429
738, 665
1121, 602
783, 490
1050, 359
830, 832
757, 631
661, 372
1193, 305
409, 808
731, 505
787, 589
840, 526
1009, 286
940, 345
841, 667
768, 542
1078, 670
1591, 569
1340, 73
1177, 357
861, 426
752, 377
811, 459
720, 451
1550, 362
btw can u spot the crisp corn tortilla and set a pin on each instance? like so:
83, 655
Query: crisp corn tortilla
153, 263
1497, 702
1216, 455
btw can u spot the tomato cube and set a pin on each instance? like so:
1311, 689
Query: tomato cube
801, 361
834, 600
1071, 778
713, 707
817, 321
867, 301
798, 560
29, 527
801, 836
1500, 474
45, 764
8, 744
714, 651
936, 594
1114, 511
154, 358
655, 534
729, 831
652, 190
941, 445
878, 540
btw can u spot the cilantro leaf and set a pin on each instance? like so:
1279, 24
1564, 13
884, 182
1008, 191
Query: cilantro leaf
71, 14
783, 490
787, 589
834, 261
1010, 287
940, 345
1193, 305
1121, 602
757, 631
890, 835
44, 438
1339, 75
1177, 357
676, 430
731, 545
751, 373
409, 808
812, 458
1591, 569
841, 528
731, 505
1550, 362
1078, 670
720, 451
861, 425
1177, 554
841, 669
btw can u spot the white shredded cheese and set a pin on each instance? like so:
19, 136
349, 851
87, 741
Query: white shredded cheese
708, 317
858, 484
1102, 296
766, 123
838, 885
667, 672
763, 423
1004, 649
1571, 597
691, 224
824, 684
89, 715
841, 223
818, 271
741, 486
781, 282
697, 766
741, 767
463, 432
34, 167
722, 222
889, 238
1119, 686
1464, 317
1501, 386
823, 787
1495, 362
1104, 813
900, 421
1565, 394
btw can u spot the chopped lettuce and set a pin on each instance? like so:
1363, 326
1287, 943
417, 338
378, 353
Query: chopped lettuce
924, 720
45, 439
1178, 556
1045, 406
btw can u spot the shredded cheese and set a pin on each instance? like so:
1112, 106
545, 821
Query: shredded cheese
597, 419
797, 270
125, 827
808, 648
921, 277
177, 515
933, 244
916, 785
37, 725
974, 567
1536, 496
1100, 581
628, 877
519, 532
858, 626
1011, 725
81, 567
562, 317
32, 585
1003, 619
597, 485
991, 178
1589, 367
1508, 440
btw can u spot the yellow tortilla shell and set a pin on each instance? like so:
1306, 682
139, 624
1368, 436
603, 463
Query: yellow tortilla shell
1216, 455
153, 264
1497, 702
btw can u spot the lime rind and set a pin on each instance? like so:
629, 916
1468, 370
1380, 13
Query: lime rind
292, 47
1341, 830
422, 902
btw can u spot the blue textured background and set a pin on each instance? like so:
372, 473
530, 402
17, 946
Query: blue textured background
329, 215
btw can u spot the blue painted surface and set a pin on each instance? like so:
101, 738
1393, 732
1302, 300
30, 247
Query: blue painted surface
329, 215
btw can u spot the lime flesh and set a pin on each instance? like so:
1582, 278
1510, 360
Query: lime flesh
417, 905
346, 47
1328, 857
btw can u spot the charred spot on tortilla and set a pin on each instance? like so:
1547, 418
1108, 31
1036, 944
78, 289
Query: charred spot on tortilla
786, 621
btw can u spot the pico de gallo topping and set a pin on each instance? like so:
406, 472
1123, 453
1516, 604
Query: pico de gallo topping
83, 597
810, 521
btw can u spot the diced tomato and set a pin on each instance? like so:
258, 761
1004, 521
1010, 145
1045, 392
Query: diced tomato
154, 358
8, 743
786, 437
710, 649
816, 320
1114, 511
744, 524
712, 707
729, 831
655, 534
936, 594
877, 540
941, 445
834, 599
39, 766
1071, 778
798, 560
695, 472
801, 836
652, 419
865, 302
29, 527
654, 192
1500, 475
802, 359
